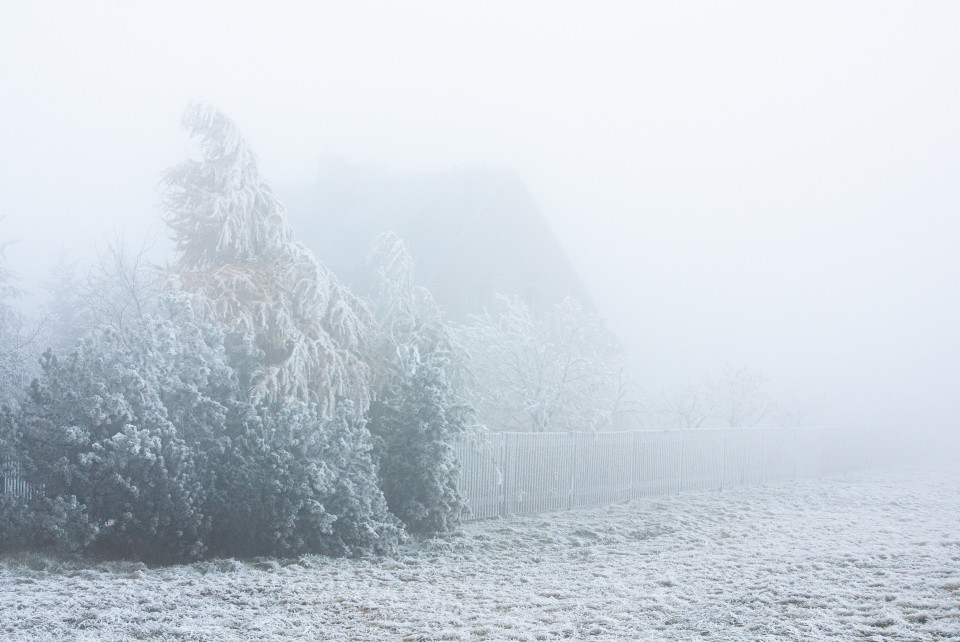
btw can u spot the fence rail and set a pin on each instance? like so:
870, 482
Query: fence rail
521, 473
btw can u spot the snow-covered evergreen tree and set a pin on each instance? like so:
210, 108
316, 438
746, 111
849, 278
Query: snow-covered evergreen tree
304, 473
236, 248
418, 404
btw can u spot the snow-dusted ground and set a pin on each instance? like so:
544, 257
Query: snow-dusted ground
873, 555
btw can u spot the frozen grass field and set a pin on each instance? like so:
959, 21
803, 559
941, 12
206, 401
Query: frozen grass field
873, 555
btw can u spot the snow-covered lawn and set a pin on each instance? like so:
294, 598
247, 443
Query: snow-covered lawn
873, 555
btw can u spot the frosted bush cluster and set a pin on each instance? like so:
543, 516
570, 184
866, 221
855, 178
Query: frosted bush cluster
221, 406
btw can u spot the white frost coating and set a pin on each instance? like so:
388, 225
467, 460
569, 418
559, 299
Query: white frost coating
869, 556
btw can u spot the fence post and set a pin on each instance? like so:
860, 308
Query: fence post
723, 460
680, 465
503, 475
824, 465
761, 455
796, 452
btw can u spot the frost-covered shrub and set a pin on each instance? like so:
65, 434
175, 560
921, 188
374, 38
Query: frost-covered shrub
60, 523
28, 518
363, 520
15, 515
418, 406
414, 423
268, 480
147, 447
96, 436
15, 522
294, 483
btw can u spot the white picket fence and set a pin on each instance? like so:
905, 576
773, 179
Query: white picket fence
521, 473
13, 483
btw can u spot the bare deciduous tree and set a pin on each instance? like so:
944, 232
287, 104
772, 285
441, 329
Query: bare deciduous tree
735, 398
562, 373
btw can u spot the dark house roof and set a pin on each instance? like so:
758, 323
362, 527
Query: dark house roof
473, 232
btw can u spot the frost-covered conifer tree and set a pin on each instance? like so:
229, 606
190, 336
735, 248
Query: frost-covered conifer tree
236, 248
305, 478
418, 404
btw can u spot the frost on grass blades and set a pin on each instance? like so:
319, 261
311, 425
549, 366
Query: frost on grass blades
872, 555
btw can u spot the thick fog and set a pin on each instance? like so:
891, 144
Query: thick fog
750, 184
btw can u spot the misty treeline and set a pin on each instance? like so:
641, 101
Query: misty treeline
239, 400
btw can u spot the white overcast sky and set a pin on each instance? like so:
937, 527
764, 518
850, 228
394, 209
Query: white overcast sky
766, 184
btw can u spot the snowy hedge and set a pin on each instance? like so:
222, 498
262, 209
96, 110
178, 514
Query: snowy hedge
146, 447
